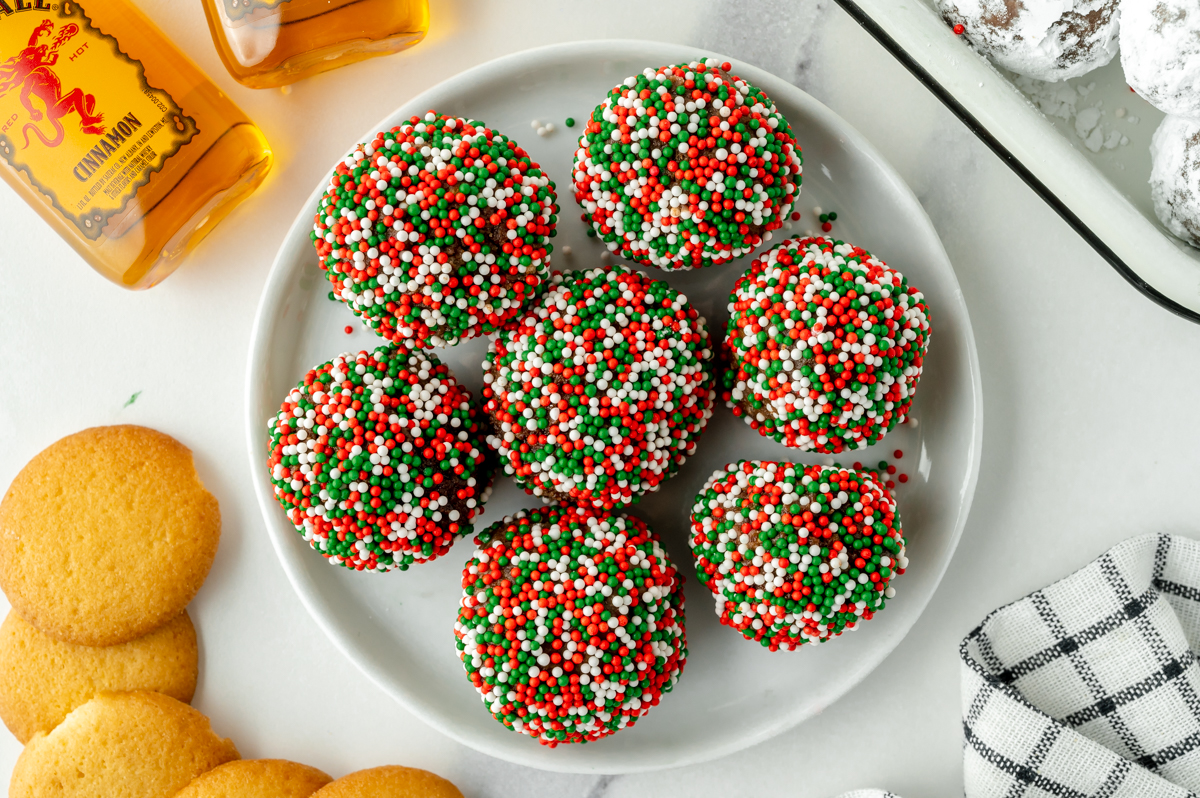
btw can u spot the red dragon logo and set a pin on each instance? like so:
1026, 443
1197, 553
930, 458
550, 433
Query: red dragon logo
31, 71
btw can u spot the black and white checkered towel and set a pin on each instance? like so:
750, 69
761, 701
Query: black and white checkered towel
1089, 687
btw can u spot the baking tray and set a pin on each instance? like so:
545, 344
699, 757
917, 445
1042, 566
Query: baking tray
1103, 194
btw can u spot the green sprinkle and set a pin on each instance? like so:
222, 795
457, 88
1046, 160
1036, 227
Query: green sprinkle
131, 399
570, 121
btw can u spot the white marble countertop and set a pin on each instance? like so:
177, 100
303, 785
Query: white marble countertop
1092, 432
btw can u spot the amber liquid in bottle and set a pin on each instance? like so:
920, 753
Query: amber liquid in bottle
116, 138
266, 43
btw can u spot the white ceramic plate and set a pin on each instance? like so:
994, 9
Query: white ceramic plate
397, 627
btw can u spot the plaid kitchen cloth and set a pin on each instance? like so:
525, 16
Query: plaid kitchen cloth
1089, 688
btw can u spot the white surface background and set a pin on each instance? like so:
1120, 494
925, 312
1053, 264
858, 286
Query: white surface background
1090, 394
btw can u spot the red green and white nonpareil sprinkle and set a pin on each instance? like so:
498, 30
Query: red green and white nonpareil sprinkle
378, 459
571, 623
686, 166
599, 392
796, 554
825, 343
436, 231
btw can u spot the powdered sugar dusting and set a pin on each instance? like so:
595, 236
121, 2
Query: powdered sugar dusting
1062, 101
1160, 51
1049, 40
1175, 177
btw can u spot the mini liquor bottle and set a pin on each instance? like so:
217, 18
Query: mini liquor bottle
116, 138
266, 43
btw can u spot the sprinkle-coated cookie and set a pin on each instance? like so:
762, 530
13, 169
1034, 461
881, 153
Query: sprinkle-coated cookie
686, 166
825, 343
436, 231
390, 781
599, 392
106, 535
379, 460
571, 624
42, 680
257, 778
120, 744
796, 554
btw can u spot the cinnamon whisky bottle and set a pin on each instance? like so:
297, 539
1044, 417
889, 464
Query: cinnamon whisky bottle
267, 43
116, 138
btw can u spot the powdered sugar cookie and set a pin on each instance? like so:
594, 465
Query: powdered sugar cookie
1043, 39
1175, 177
1160, 52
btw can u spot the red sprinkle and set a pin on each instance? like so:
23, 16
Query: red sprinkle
958, 29
898, 454
904, 477
349, 329
826, 227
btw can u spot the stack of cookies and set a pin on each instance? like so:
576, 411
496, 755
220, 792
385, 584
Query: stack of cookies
105, 537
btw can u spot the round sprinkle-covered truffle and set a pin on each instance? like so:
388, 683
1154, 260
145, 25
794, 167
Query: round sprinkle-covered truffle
826, 345
378, 459
599, 392
571, 624
796, 554
686, 166
436, 231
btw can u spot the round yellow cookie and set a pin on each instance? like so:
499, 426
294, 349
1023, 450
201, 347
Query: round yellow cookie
257, 778
120, 744
42, 679
389, 781
106, 535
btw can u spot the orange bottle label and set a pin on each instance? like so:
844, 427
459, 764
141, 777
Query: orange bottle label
77, 116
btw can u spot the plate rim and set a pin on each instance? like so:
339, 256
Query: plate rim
268, 305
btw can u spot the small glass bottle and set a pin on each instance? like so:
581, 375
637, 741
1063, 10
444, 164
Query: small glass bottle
116, 138
268, 43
